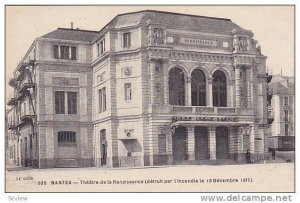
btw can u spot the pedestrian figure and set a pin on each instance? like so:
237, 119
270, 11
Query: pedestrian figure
273, 154
248, 157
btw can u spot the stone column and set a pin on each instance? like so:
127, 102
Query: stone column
166, 85
189, 91
232, 99
152, 63
240, 133
251, 86
252, 139
209, 97
249, 92
191, 143
237, 87
232, 140
212, 142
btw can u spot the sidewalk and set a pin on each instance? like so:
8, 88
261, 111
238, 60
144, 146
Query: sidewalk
17, 168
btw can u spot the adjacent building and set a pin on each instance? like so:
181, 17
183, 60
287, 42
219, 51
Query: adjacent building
281, 103
150, 88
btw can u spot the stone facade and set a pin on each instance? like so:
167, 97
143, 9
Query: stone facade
155, 88
281, 112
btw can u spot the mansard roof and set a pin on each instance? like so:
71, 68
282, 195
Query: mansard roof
172, 20
176, 20
71, 34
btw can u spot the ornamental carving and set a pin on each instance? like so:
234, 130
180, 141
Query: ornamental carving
101, 77
129, 132
158, 36
166, 129
241, 44
244, 130
127, 71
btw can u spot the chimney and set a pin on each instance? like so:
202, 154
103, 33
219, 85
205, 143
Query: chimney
72, 25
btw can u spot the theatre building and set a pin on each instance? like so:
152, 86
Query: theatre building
149, 88
171, 88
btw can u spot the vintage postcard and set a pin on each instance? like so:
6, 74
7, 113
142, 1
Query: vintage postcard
150, 99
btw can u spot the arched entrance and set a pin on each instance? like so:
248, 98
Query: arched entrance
179, 144
201, 143
221, 142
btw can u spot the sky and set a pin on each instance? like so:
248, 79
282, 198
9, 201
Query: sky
273, 27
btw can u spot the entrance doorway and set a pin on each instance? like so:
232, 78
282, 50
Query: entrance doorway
103, 147
179, 144
222, 142
201, 143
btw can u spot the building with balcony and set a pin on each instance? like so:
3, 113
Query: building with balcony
150, 88
282, 108
51, 106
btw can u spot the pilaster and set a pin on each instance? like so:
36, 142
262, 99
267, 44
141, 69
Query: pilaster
191, 143
189, 91
237, 87
209, 99
212, 143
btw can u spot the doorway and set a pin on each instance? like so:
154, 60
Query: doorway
179, 144
201, 143
221, 142
103, 147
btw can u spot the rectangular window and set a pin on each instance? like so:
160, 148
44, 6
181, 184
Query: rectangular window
126, 39
64, 52
286, 101
72, 102
66, 138
102, 99
55, 51
30, 141
162, 145
59, 102
286, 115
127, 89
101, 47
286, 129
73, 53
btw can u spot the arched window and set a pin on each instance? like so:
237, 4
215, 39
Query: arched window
198, 88
176, 87
219, 89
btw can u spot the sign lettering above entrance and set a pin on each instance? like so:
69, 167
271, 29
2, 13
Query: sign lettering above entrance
200, 42
217, 119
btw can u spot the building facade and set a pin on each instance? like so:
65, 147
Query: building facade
150, 88
282, 108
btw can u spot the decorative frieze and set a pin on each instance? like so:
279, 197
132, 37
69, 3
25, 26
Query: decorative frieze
101, 77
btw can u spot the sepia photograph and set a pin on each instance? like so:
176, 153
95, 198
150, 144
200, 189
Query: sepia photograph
149, 98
